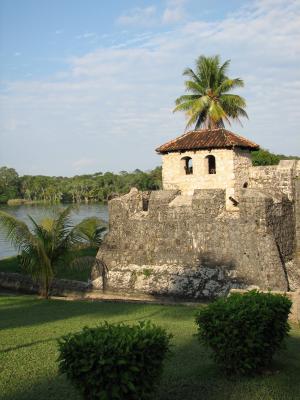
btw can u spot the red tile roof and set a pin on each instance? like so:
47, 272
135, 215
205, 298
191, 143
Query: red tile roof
207, 139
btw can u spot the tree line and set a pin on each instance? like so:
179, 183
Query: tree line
97, 187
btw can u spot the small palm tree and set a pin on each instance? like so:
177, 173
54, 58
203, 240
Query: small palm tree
43, 248
209, 103
91, 231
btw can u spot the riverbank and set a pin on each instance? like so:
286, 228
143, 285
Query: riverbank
18, 202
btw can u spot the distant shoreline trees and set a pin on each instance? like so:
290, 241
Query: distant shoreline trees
97, 187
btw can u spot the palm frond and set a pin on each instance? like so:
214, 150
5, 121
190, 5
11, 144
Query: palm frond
233, 105
198, 112
189, 72
63, 232
186, 97
39, 231
48, 224
192, 120
90, 230
229, 84
63, 223
224, 67
194, 88
202, 117
232, 100
16, 231
186, 106
197, 79
217, 113
242, 113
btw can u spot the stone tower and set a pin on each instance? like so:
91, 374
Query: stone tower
207, 159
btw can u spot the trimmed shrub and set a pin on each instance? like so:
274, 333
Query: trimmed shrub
244, 330
115, 361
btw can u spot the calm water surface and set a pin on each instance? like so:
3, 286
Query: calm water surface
39, 212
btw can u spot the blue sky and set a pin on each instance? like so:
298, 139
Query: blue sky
90, 85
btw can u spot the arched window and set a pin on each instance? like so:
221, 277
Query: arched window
187, 165
211, 164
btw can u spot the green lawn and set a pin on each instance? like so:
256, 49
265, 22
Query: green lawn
30, 327
11, 264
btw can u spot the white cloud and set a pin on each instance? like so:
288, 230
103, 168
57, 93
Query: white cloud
148, 16
174, 12
114, 104
138, 16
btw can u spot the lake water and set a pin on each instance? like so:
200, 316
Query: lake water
40, 211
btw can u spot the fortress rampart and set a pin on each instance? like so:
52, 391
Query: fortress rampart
189, 244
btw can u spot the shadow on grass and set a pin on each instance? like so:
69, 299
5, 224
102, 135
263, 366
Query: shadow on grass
51, 388
30, 344
192, 374
189, 373
22, 311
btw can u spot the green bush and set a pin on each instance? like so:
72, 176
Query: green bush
264, 157
115, 361
244, 330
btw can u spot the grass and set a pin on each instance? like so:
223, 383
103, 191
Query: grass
30, 327
11, 264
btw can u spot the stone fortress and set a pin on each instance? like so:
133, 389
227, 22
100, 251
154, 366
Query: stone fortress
219, 223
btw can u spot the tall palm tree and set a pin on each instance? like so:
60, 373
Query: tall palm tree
46, 245
209, 103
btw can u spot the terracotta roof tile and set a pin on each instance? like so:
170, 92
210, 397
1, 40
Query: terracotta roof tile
207, 139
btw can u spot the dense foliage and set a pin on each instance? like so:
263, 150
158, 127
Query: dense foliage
9, 184
115, 362
209, 103
94, 187
244, 330
265, 157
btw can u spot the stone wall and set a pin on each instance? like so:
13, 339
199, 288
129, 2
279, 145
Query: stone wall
241, 164
276, 179
24, 284
296, 263
193, 247
190, 243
